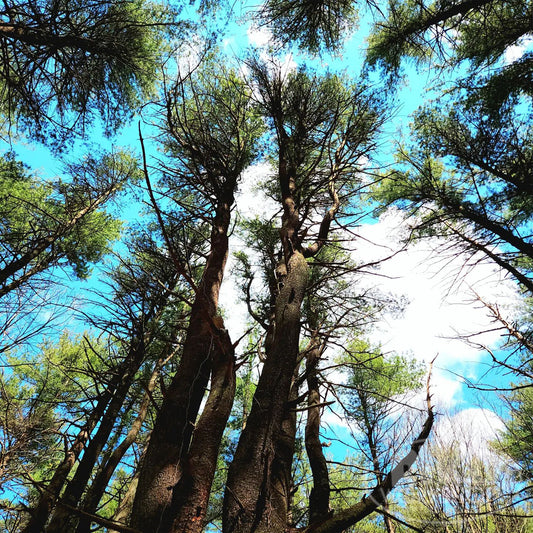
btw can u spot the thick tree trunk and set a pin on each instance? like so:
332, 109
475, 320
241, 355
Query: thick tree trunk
191, 494
247, 497
282, 483
171, 437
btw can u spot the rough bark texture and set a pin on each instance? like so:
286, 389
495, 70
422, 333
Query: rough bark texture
282, 483
191, 495
171, 437
247, 498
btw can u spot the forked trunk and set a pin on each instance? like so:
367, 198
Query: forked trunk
167, 452
191, 495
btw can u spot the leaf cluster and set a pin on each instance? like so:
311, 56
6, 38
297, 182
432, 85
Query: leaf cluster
63, 63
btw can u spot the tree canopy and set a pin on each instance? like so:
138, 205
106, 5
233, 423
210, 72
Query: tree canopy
189, 324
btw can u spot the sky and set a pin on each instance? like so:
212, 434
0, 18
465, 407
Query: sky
439, 288
439, 292
443, 316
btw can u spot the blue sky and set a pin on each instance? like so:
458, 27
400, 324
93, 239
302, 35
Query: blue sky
435, 292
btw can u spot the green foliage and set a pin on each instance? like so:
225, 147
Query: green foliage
313, 25
375, 380
517, 438
41, 394
56, 223
375, 396
478, 32
65, 62
213, 129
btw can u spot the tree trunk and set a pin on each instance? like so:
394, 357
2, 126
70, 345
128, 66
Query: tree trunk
282, 483
77, 485
171, 437
191, 494
101, 480
247, 496
319, 497
49, 495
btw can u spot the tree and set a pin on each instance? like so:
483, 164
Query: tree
314, 27
64, 62
211, 134
460, 487
55, 224
377, 389
478, 32
321, 130
515, 439
136, 333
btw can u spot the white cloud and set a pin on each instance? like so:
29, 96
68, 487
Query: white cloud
258, 36
516, 51
472, 429
439, 286
251, 202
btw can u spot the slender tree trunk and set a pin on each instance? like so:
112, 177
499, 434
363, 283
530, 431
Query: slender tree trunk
49, 495
126, 504
77, 485
171, 437
101, 480
319, 498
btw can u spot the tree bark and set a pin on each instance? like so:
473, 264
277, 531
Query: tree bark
171, 437
247, 497
319, 497
77, 485
191, 495
282, 483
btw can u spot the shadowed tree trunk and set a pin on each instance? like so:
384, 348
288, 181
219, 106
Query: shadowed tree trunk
319, 497
101, 480
169, 445
191, 494
213, 139
40, 513
247, 496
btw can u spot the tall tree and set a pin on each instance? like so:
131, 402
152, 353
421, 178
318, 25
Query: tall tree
377, 391
211, 136
321, 130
